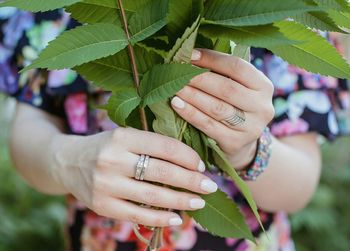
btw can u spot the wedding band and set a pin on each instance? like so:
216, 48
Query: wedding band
139, 166
238, 117
144, 167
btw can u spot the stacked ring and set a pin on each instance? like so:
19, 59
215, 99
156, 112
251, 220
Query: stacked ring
238, 117
141, 167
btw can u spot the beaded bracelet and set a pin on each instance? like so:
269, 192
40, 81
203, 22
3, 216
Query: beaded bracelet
262, 157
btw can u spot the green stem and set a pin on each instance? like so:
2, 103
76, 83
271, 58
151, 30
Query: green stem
135, 72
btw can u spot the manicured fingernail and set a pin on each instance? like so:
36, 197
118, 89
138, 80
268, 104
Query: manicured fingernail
201, 166
175, 221
196, 55
197, 203
209, 186
178, 102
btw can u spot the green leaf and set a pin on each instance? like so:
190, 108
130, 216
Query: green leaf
339, 5
341, 18
38, 5
182, 50
240, 50
193, 138
318, 20
114, 72
167, 122
225, 165
263, 36
92, 11
81, 45
121, 104
315, 54
182, 14
222, 217
252, 12
163, 81
148, 20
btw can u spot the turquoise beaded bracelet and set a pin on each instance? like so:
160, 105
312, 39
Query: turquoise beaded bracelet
262, 158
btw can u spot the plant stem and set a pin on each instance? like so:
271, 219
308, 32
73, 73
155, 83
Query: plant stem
135, 72
156, 240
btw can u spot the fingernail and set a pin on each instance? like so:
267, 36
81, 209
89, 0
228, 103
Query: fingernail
197, 203
201, 166
178, 102
175, 221
209, 186
196, 55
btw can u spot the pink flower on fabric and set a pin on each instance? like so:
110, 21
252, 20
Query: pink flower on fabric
77, 114
289, 127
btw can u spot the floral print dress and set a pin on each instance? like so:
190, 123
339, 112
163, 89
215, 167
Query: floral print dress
303, 102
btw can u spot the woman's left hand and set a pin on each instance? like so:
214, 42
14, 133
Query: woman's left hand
211, 98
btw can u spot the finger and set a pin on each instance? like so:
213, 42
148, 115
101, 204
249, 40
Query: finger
159, 146
157, 196
213, 107
206, 124
233, 67
225, 89
127, 211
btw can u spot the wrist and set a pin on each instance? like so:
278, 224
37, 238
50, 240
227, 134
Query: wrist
240, 160
63, 152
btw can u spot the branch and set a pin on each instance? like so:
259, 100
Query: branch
133, 64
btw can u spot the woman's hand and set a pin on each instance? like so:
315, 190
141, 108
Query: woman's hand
99, 170
210, 98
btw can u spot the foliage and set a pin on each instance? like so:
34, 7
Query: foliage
166, 29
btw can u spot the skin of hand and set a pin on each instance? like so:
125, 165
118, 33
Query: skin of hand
211, 97
99, 170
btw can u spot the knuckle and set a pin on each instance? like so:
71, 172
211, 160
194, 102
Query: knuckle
161, 172
193, 181
120, 134
208, 124
228, 89
268, 112
220, 109
97, 204
190, 112
150, 197
133, 217
170, 146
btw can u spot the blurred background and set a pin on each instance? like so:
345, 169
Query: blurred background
30, 221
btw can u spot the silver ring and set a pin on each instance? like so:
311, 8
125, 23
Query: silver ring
237, 118
144, 167
141, 167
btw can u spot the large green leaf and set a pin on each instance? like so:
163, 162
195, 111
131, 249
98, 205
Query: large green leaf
121, 104
181, 14
222, 217
315, 55
339, 5
163, 81
148, 20
258, 36
252, 12
38, 5
167, 122
341, 18
81, 45
114, 72
318, 20
225, 165
103, 11
92, 11
182, 50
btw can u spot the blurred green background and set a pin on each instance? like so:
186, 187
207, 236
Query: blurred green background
30, 221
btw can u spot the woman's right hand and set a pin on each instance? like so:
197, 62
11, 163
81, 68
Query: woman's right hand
99, 171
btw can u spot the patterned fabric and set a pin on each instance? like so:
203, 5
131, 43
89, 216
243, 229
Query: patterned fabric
304, 102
